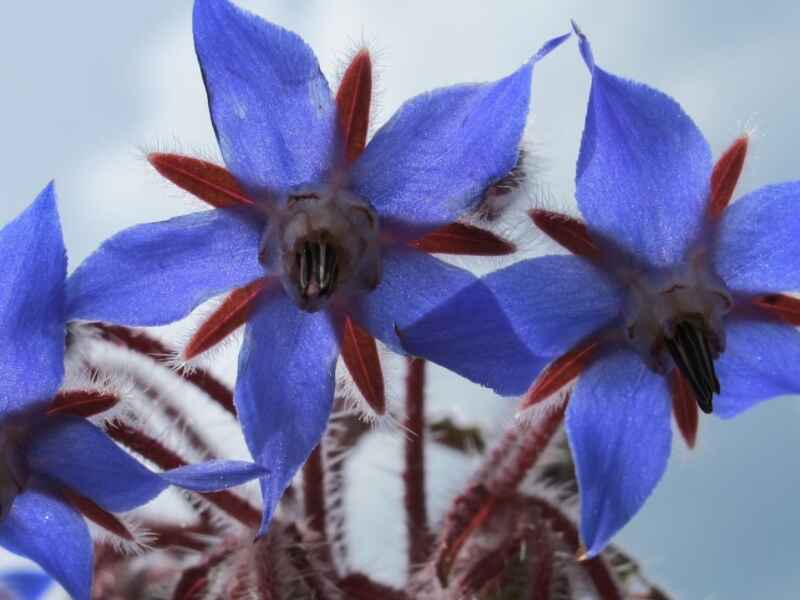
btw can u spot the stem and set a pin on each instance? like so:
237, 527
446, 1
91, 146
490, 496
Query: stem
140, 342
419, 539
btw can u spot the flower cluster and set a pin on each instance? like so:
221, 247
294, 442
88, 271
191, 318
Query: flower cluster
323, 242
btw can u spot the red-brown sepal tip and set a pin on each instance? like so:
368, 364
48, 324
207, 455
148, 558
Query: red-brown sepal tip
231, 315
560, 372
81, 403
784, 307
466, 240
567, 231
209, 182
360, 354
725, 176
353, 103
684, 407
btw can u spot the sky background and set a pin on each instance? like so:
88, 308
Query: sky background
89, 86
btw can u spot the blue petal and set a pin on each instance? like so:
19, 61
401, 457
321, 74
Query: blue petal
284, 389
156, 273
52, 534
32, 330
643, 170
760, 362
435, 157
213, 475
759, 241
24, 585
75, 453
554, 302
270, 104
618, 424
434, 307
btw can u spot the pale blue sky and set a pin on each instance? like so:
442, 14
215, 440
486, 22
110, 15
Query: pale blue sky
88, 85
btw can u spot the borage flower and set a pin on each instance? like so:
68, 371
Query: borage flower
322, 241
671, 296
50, 462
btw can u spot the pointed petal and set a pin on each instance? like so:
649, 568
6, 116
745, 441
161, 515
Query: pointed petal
213, 475
759, 241
561, 371
760, 362
81, 403
643, 170
25, 585
353, 103
284, 389
433, 305
156, 273
271, 107
725, 176
618, 424
209, 182
76, 454
32, 322
50, 533
437, 155
554, 302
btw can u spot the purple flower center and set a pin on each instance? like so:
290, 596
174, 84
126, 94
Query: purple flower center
327, 240
674, 319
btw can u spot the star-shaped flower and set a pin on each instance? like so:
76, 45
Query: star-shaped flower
49, 459
318, 234
672, 300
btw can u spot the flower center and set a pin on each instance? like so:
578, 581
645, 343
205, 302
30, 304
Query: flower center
674, 320
328, 242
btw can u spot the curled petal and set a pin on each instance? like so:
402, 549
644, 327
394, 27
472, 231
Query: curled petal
618, 425
759, 241
760, 362
284, 389
555, 302
157, 273
271, 107
78, 455
44, 529
32, 330
643, 171
433, 306
437, 155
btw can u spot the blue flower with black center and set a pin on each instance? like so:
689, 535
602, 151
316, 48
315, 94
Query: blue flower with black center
47, 458
673, 302
315, 231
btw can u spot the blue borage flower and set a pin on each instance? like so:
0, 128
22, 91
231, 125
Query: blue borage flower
667, 296
41, 456
327, 242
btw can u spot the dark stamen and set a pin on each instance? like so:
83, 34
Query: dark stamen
318, 268
692, 354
